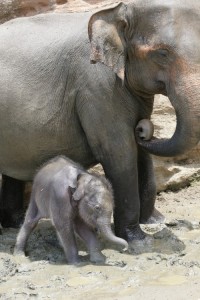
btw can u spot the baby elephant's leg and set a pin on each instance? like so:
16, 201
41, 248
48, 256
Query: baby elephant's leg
90, 238
68, 241
65, 231
31, 220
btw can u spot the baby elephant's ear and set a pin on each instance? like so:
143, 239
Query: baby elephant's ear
73, 201
79, 192
76, 193
71, 191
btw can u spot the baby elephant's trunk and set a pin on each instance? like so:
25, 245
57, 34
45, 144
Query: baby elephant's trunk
107, 233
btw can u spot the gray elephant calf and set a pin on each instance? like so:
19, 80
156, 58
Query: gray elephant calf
74, 200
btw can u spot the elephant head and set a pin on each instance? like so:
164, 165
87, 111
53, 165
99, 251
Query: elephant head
94, 199
153, 46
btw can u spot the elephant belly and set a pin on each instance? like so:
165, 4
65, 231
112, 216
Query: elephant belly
24, 147
36, 124
22, 163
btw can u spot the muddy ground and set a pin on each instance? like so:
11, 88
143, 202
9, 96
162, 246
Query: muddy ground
167, 268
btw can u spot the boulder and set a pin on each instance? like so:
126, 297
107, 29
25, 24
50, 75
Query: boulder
10, 9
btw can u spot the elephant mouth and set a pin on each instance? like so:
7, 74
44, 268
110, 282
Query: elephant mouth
158, 87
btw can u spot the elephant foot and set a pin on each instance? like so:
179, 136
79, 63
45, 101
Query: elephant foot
130, 233
138, 240
74, 261
97, 257
13, 219
19, 252
155, 218
134, 233
141, 246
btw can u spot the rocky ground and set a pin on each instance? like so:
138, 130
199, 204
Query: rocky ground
167, 268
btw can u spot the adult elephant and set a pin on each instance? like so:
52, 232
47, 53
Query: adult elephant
53, 101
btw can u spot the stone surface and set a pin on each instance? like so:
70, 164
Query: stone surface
171, 173
10, 9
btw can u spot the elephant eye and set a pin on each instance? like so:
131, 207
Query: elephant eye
163, 53
160, 56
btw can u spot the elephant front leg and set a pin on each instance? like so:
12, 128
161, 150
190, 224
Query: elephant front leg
11, 202
91, 240
147, 189
112, 142
121, 169
127, 207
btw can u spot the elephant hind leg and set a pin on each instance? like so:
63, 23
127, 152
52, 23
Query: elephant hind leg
31, 220
62, 220
67, 239
11, 202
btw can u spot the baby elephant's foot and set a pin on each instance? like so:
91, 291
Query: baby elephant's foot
74, 261
18, 252
97, 257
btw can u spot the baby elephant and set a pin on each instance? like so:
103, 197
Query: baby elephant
75, 201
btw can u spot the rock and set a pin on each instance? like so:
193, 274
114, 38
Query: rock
61, 1
10, 9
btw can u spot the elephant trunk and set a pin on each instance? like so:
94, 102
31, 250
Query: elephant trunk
106, 232
185, 99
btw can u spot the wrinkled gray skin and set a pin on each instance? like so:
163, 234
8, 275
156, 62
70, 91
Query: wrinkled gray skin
73, 200
53, 101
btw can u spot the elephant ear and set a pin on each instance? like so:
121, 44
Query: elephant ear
77, 193
71, 191
106, 33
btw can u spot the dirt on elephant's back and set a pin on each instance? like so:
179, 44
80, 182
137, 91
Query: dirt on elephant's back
166, 268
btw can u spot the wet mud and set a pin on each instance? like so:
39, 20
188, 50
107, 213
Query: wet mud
166, 267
